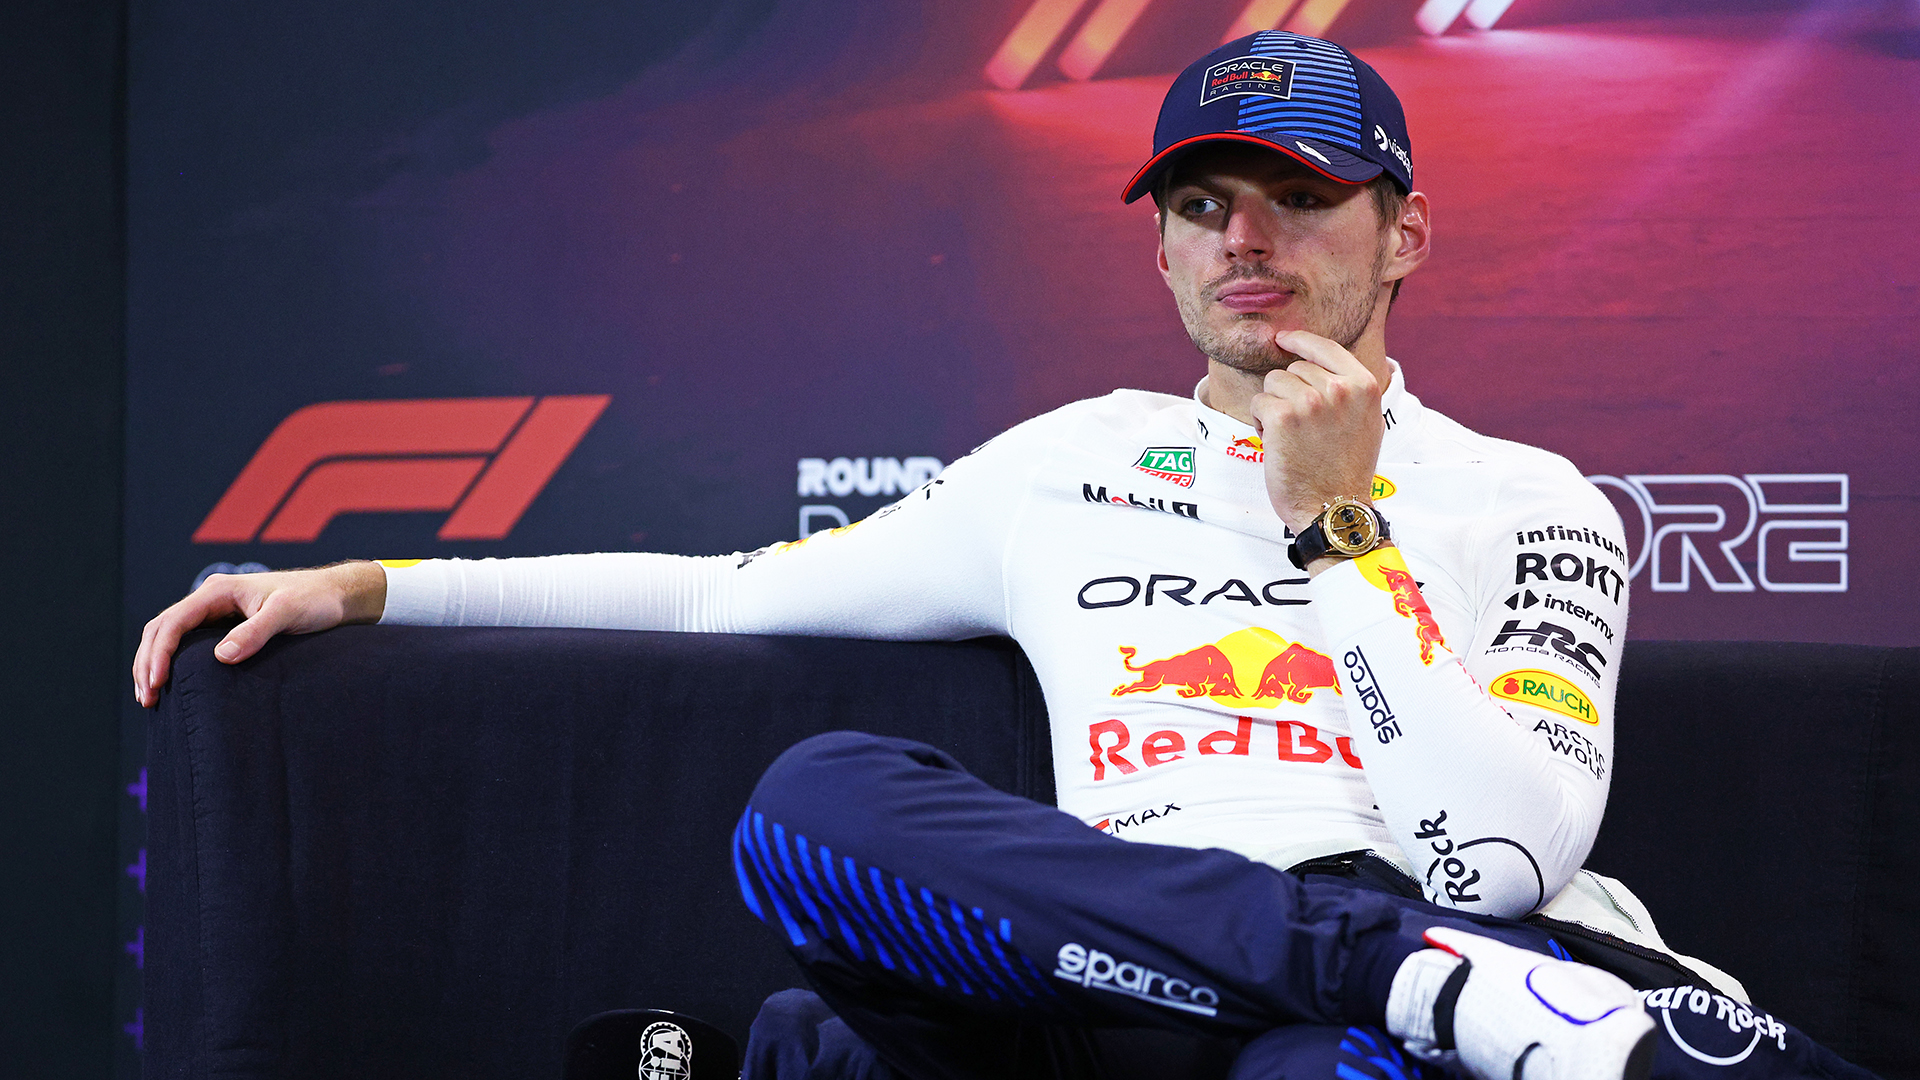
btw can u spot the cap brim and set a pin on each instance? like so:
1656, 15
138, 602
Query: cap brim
1327, 160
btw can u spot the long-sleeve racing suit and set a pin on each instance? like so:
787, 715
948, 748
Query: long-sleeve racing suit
1446, 703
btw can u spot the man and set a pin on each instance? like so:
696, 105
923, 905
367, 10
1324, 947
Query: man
1276, 632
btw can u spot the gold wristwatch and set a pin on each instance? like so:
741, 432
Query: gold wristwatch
1346, 528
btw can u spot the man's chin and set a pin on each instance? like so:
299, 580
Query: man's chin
1254, 358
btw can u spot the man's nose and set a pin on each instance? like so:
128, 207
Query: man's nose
1250, 233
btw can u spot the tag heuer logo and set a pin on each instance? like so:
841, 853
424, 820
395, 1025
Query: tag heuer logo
1170, 463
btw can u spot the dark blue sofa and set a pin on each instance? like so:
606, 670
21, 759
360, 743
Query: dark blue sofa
422, 853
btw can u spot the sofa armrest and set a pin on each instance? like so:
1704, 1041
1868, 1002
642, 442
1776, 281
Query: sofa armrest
400, 851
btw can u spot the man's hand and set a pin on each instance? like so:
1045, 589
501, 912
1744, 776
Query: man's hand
289, 602
1319, 421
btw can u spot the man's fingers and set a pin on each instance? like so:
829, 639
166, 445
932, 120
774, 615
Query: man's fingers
1304, 373
273, 617
1323, 352
161, 637
239, 644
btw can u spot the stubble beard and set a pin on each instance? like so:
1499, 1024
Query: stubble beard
1246, 344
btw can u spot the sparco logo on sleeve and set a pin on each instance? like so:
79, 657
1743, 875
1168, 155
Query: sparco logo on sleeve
1366, 690
1096, 970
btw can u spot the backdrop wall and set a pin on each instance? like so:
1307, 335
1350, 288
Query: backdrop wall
60, 498
497, 278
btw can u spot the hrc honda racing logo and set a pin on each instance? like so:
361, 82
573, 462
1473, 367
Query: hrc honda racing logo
1095, 970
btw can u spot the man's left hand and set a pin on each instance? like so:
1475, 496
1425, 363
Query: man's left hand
1320, 424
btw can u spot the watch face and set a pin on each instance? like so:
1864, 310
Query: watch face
1351, 529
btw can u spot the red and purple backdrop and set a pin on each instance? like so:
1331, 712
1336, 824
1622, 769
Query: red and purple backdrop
501, 278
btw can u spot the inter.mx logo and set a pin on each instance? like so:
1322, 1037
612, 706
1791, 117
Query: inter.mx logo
485, 459
1698, 523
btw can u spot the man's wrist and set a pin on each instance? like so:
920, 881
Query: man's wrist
363, 590
1346, 527
1328, 562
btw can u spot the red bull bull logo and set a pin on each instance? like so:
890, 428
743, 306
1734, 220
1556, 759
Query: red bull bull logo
1389, 574
1289, 671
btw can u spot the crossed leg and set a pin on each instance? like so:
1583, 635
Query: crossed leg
954, 932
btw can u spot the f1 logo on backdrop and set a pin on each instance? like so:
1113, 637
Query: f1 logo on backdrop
1695, 522
485, 459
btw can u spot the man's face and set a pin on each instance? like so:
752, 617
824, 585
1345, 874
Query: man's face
1253, 243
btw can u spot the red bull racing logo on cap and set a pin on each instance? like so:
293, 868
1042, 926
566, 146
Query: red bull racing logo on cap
1224, 671
1262, 76
1388, 572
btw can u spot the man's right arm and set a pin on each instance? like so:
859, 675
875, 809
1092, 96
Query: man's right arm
287, 602
927, 567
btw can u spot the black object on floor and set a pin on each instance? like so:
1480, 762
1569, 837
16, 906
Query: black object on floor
650, 1044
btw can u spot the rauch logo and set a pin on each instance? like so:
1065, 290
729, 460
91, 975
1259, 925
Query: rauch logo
485, 459
1533, 687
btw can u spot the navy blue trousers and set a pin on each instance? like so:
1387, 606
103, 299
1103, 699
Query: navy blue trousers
950, 931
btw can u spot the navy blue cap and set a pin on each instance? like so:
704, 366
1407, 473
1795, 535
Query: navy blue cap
1306, 98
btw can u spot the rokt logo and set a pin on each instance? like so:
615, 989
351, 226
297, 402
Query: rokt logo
485, 459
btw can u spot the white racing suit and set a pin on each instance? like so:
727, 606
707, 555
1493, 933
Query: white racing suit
1446, 704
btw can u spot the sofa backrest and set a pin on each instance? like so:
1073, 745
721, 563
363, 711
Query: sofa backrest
401, 852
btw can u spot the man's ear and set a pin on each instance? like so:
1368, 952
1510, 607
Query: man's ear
1414, 232
1160, 248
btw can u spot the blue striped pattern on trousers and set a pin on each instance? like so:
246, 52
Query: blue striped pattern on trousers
1367, 1053
807, 893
